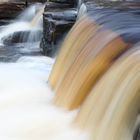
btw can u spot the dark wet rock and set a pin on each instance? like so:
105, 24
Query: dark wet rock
23, 37
11, 53
124, 5
58, 19
30, 1
66, 15
54, 5
136, 135
10, 10
113, 16
70, 2
53, 34
5, 22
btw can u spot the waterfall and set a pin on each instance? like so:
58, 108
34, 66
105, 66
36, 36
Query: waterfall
83, 60
26, 108
90, 92
37, 19
82, 10
96, 70
29, 12
78, 63
28, 26
112, 107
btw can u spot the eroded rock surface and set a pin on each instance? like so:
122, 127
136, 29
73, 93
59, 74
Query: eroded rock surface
58, 18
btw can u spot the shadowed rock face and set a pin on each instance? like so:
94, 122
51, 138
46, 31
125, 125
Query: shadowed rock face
30, 1
71, 2
136, 135
10, 10
23, 37
120, 17
118, 4
58, 18
55, 5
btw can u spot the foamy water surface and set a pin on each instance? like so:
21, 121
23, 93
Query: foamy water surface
26, 107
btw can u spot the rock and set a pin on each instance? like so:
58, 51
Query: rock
30, 1
120, 4
61, 15
136, 135
58, 18
23, 37
54, 5
5, 22
11, 9
113, 15
71, 2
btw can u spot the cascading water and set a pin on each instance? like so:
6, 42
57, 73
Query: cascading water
81, 62
26, 109
82, 11
23, 35
29, 13
95, 69
30, 21
87, 72
111, 109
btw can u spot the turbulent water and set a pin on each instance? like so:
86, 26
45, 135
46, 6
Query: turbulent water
100, 73
26, 108
22, 37
95, 79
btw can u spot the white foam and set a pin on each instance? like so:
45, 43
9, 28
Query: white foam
26, 108
30, 20
14, 27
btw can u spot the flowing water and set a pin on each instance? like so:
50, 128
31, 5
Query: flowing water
94, 72
22, 37
26, 108
92, 91
112, 107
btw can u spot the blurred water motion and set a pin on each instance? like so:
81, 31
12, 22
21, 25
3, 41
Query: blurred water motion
97, 70
112, 107
95, 81
22, 37
103, 36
